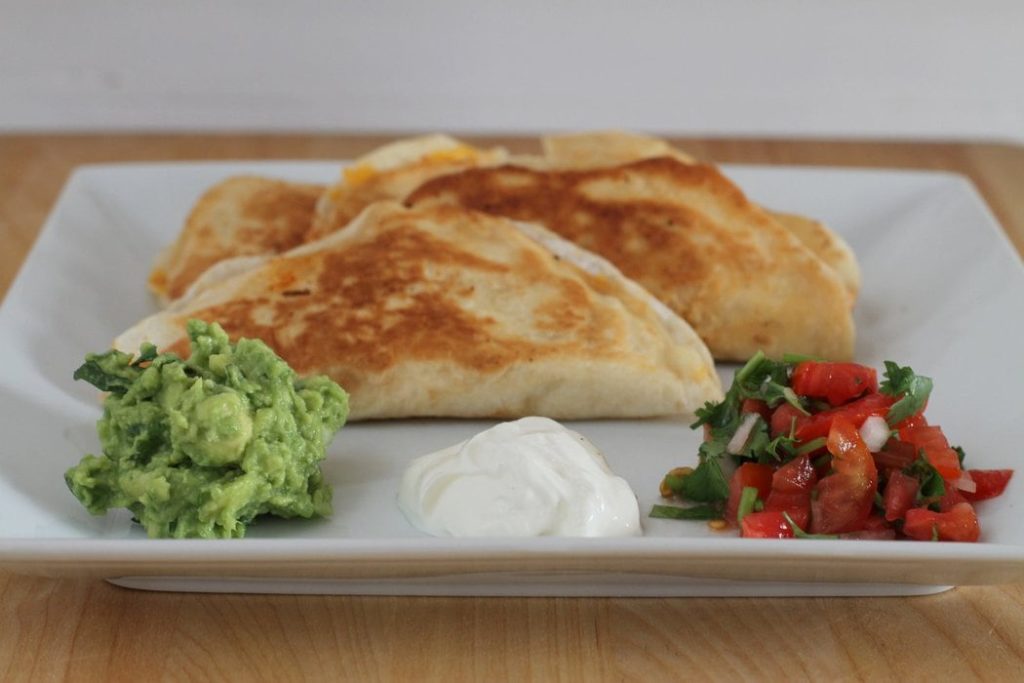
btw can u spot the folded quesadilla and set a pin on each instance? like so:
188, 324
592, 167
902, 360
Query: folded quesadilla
249, 215
393, 171
586, 151
826, 245
241, 216
443, 311
688, 235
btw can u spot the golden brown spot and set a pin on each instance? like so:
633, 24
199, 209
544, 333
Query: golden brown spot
242, 216
402, 296
652, 241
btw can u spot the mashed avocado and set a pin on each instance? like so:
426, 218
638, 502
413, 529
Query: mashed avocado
198, 448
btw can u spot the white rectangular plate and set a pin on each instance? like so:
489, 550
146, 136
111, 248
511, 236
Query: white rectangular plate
943, 292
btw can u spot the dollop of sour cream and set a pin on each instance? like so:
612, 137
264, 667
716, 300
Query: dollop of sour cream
531, 477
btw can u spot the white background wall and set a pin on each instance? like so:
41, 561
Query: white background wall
752, 67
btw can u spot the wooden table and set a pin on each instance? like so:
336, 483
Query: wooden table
89, 630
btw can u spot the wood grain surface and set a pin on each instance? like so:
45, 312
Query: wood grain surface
56, 629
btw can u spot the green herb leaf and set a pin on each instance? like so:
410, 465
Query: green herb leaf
774, 393
812, 445
707, 483
797, 358
747, 500
108, 371
674, 482
931, 486
960, 455
914, 390
706, 512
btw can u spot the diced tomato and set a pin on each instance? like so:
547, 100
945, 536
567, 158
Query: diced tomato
936, 449
755, 405
875, 522
797, 475
845, 497
797, 504
837, 383
951, 498
855, 413
958, 524
747, 474
896, 454
900, 494
791, 490
917, 420
990, 483
785, 418
765, 525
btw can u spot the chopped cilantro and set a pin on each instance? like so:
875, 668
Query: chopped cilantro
707, 483
931, 487
913, 390
110, 371
747, 501
812, 445
797, 358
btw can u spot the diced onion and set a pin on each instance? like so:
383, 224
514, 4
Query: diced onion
965, 483
739, 439
875, 432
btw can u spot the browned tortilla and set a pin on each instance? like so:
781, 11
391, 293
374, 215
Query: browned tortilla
688, 235
441, 311
241, 216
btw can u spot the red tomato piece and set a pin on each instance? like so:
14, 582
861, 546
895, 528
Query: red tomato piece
845, 497
837, 383
786, 417
756, 405
936, 449
958, 524
917, 420
896, 454
797, 504
855, 413
797, 475
900, 494
990, 483
951, 498
765, 525
747, 474
791, 490
875, 522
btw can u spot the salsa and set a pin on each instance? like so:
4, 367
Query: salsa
825, 450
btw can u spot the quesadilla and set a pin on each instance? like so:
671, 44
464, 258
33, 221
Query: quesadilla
587, 151
688, 235
391, 172
442, 311
241, 216
826, 245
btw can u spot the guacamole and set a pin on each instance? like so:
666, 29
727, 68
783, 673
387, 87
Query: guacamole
198, 448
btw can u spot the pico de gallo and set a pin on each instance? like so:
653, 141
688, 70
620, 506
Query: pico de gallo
823, 450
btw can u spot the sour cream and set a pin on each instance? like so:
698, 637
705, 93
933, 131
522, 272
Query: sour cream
531, 477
